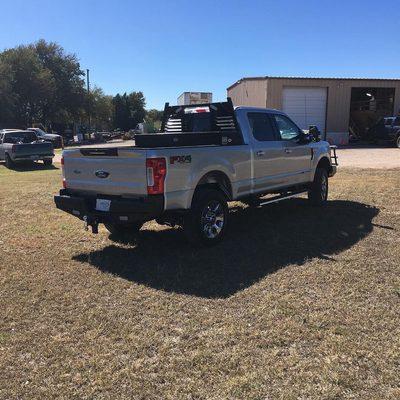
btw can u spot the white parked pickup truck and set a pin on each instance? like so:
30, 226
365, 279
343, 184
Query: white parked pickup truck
207, 155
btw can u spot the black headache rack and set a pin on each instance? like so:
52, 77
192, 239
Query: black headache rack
195, 125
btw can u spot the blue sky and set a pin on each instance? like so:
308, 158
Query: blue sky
166, 47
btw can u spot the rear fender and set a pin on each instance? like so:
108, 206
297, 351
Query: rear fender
220, 175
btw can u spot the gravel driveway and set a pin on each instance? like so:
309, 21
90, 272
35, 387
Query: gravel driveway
369, 157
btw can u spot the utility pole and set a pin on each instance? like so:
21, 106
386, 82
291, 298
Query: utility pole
88, 92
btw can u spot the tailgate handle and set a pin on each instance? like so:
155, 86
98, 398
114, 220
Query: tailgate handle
100, 152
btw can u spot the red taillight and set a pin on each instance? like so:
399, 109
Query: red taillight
156, 172
13, 148
64, 183
62, 160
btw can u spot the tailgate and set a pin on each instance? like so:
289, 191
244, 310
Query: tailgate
111, 170
34, 149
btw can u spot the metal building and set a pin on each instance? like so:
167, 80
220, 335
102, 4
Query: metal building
187, 98
338, 106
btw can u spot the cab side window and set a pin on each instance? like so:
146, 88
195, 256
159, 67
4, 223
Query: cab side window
287, 129
261, 126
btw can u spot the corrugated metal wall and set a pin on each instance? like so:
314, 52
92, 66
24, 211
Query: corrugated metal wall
249, 92
267, 92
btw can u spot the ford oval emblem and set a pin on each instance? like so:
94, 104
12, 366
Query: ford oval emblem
102, 174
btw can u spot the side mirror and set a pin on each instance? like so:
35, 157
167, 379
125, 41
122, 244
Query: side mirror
314, 132
304, 138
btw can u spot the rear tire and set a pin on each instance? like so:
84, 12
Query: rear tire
47, 163
125, 230
206, 222
9, 162
318, 193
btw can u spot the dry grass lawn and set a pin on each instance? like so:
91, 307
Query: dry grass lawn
296, 303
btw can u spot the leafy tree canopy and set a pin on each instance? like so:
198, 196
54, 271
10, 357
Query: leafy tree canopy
129, 110
40, 82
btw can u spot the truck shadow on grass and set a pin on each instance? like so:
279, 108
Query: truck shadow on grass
25, 167
259, 241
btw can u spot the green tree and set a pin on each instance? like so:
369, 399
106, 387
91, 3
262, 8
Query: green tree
46, 83
129, 110
40, 82
153, 120
30, 83
101, 108
154, 115
7, 97
136, 108
65, 69
119, 114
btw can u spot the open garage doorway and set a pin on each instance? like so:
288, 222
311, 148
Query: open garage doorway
367, 106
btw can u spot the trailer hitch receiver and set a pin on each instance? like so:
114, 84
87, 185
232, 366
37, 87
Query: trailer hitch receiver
92, 223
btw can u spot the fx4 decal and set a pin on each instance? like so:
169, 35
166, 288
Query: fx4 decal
180, 159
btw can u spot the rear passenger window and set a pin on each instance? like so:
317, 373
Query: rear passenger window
261, 126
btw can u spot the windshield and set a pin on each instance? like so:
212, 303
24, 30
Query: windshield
20, 137
38, 131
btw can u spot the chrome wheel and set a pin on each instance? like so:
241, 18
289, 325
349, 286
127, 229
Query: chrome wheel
212, 219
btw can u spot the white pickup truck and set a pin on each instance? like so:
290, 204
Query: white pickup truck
207, 155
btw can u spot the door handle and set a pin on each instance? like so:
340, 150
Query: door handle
288, 151
260, 153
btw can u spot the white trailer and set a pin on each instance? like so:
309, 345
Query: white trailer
187, 98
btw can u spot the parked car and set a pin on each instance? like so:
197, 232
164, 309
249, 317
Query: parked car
18, 146
207, 156
386, 129
392, 126
56, 140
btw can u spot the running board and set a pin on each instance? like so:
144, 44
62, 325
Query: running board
281, 197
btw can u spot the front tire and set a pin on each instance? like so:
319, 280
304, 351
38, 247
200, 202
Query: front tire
318, 192
47, 163
124, 230
9, 162
398, 141
206, 222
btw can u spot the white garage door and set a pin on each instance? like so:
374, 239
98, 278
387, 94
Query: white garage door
306, 106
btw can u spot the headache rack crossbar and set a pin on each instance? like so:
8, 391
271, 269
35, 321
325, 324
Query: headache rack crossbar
195, 125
